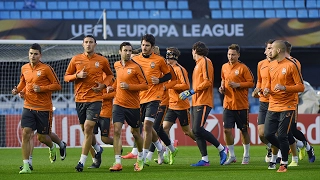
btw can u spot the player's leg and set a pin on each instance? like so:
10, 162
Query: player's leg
95, 163
62, 145
228, 124
184, 119
263, 108
242, 121
31, 152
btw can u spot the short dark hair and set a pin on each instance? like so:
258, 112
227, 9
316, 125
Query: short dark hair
136, 51
91, 36
201, 48
36, 46
270, 41
174, 50
234, 47
149, 38
288, 46
124, 44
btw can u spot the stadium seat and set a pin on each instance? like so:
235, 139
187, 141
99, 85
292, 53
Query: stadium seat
165, 14
259, 14
247, 4
138, 5
9, 5
95, 5
78, 14
36, 15
186, 14
122, 15
254, 109
1, 5
105, 5
216, 14
56, 14
313, 13
218, 109
292, 13
46, 15
160, 5
25, 14
318, 3
115, 5
98, 14
183, 5
67, 14
267, 4
127, 5
248, 13
133, 15
302, 13
299, 4
270, 13
111, 15
281, 14
4, 15
311, 4
144, 15
257, 4
289, 4
176, 14
14, 15
226, 5
63, 5
227, 14
154, 14
172, 5
237, 4
237, 13
19, 5
278, 4
149, 5
90, 15
73, 5
52, 5
42, 5
214, 5
83, 5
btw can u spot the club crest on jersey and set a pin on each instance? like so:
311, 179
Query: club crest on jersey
236, 72
284, 71
152, 65
97, 64
129, 71
39, 73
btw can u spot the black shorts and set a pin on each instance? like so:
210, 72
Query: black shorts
88, 111
121, 114
263, 108
182, 115
279, 122
103, 124
149, 110
239, 117
37, 120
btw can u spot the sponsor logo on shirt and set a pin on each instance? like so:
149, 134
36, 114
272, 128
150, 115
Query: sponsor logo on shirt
129, 71
39, 73
236, 72
97, 64
284, 71
152, 65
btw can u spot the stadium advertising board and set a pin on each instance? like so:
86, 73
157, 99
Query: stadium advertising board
179, 33
68, 129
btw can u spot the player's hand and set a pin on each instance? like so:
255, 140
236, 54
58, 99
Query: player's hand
233, 84
266, 91
154, 80
82, 74
185, 94
255, 92
14, 91
279, 87
110, 89
21, 95
124, 85
99, 87
36, 88
221, 90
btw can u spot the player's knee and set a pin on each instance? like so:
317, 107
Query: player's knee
227, 130
244, 129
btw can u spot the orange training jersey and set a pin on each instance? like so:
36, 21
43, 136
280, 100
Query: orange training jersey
106, 109
236, 98
285, 72
168, 85
262, 77
299, 67
44, 76
155, 66
95, 66
133, 75
202, 82
183, 84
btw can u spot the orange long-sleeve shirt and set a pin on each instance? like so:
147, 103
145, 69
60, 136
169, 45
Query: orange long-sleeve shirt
133, 75
285, 72
183, 84
236, 98
44, 76
106, 109
154, 66
262, 77
168, 85
202, 82
95, 66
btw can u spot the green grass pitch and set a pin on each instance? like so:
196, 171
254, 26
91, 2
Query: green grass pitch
257, 169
